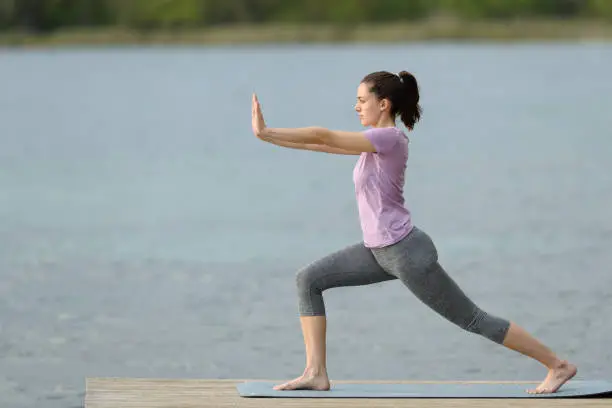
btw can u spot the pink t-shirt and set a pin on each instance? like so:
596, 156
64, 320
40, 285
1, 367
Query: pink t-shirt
379, 187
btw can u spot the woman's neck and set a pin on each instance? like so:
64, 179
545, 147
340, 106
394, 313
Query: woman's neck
385, 122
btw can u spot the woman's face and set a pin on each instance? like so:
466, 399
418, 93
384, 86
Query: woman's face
369, 108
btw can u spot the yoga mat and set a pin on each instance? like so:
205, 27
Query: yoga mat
571, 389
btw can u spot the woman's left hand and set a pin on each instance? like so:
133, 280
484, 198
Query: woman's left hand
257, 119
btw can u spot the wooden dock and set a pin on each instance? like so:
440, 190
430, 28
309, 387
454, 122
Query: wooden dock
192, 393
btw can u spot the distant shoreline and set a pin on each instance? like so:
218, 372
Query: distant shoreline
439, 29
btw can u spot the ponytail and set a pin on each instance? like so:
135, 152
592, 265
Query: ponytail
409, 108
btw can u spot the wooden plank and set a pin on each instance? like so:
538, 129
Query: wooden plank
198, 393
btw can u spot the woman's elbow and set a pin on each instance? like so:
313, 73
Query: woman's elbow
324, 136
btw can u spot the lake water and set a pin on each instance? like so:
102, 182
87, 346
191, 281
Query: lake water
145, 232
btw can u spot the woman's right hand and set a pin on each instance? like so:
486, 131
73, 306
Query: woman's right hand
257, 119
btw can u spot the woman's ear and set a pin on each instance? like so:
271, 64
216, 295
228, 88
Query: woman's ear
385, 104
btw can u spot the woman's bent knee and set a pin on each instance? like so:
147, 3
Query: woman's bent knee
310, 295
303, 279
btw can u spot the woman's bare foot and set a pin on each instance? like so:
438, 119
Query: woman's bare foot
556, 378
307, 381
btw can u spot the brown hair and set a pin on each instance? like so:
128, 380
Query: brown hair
403, 92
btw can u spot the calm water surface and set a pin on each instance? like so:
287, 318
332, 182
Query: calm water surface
144, 232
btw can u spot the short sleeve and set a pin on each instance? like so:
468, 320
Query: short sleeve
384, 140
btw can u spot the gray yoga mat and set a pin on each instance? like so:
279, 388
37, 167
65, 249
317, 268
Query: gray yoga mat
572, 389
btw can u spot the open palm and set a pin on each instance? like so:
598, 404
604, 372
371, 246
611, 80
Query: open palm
257, 119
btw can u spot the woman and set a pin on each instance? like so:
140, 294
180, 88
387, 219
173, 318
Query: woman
392, 247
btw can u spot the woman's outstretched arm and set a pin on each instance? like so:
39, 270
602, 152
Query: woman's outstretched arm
354, 142
310, 146
309, 138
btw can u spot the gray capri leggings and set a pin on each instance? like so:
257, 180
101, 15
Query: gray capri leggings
414, 261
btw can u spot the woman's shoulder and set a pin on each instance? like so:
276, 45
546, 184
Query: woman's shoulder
386, 139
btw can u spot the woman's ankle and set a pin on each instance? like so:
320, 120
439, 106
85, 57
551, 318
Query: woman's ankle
315, 370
